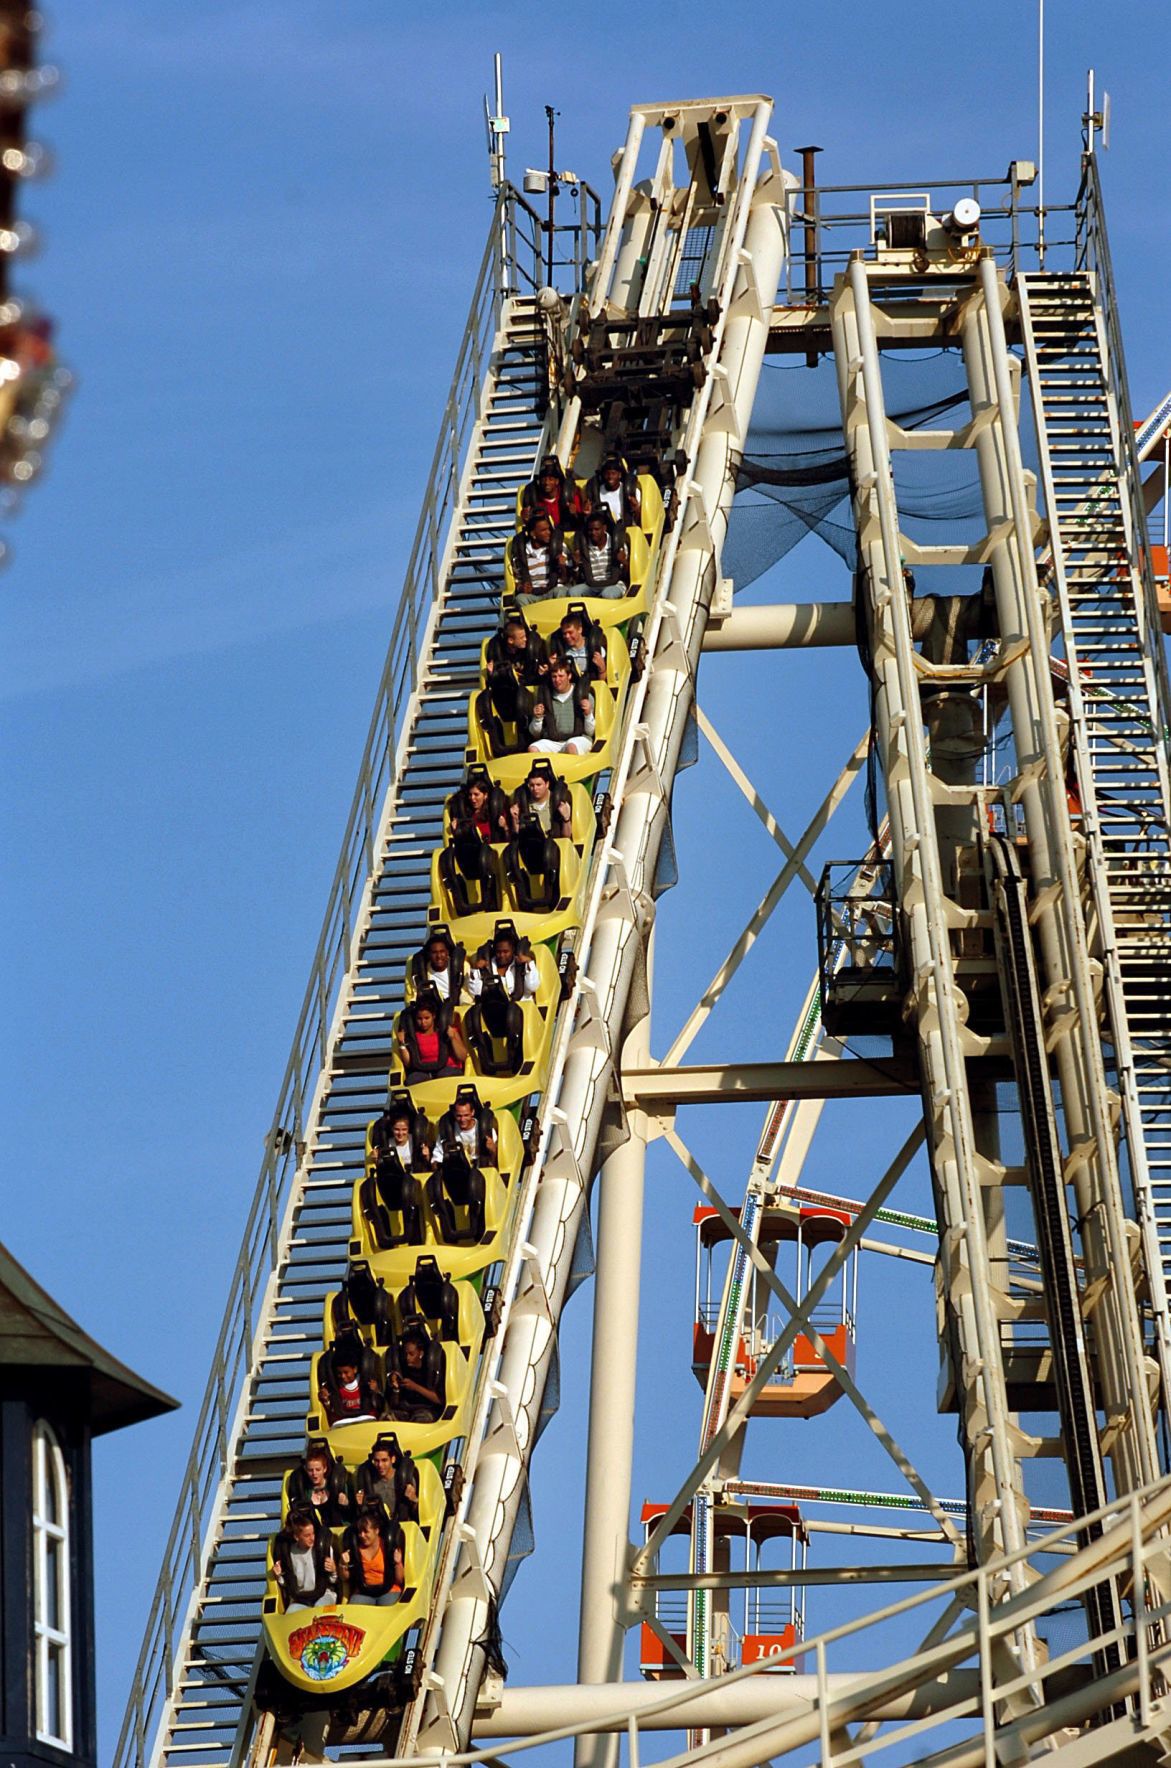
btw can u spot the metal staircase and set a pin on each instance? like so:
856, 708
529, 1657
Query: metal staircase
1119, 710
195, 1673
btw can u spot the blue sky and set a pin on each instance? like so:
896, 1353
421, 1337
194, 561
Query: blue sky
259, 243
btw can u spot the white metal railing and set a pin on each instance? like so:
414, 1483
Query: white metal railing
963, 1677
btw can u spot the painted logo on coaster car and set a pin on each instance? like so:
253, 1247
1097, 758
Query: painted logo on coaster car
325, 1647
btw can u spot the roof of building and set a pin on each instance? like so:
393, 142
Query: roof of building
36, 1333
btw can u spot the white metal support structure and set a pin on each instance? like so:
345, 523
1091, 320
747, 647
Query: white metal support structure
1050, 916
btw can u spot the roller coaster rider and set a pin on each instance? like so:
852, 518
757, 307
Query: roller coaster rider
303, 1563
540, 564
430, 1040
507, 960
349, 1392
372, 1560
545, 799
601, 558
438, 967
480, 802
402, 1137
320, 1483
562, 719
515, 657
390, 1478
553, 494
414, 1381
467, 1130
614, 489
581, 643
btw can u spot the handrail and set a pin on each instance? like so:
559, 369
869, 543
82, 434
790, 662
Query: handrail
1093, 254
1134, 1538
188, 1545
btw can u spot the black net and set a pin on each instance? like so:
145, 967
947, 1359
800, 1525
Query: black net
794, 479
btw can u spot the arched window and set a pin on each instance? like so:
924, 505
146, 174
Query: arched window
54, 1675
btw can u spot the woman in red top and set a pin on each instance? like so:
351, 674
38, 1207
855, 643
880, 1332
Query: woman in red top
428, 1046
553, 495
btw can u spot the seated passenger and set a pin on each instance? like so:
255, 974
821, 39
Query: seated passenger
468, 1128
303, 1563
438, 967
415, 1383
616, 491
402, 1137
539, 562
495, 1030
601, 559
391, 1198
506, 960
372, 1559
551, 494
429, 1044
562, 720
320, 1483
545, 798
349, 1392
390, 1478
481, 802
467, 870
466, 1142
582, 644
515, 658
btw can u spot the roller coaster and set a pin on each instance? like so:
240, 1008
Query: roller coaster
472, 1059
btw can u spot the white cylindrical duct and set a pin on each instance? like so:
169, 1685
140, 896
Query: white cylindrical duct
526, 1712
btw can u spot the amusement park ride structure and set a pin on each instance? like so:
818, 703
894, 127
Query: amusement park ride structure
1003, 945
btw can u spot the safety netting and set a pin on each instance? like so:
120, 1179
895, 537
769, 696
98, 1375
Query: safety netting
794, 478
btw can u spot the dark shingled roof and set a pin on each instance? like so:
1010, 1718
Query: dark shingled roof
36, 1333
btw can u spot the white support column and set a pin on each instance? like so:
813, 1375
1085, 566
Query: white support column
613, 1378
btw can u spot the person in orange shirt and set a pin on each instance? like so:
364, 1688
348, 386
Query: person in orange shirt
372, 1560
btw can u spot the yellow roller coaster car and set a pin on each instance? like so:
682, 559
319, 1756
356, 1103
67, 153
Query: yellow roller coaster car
447, 1369
376, 1235
547, 612
650, 519
519, 1056
509, 770
540, 905
325, 1650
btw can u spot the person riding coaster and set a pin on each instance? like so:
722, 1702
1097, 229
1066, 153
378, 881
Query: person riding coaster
479, 800
544, 798
319, 1482
538, 561
582, 643
515, 659
388, 1477
438, 966
429, 1041
552, 493
601, 558
615, 489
